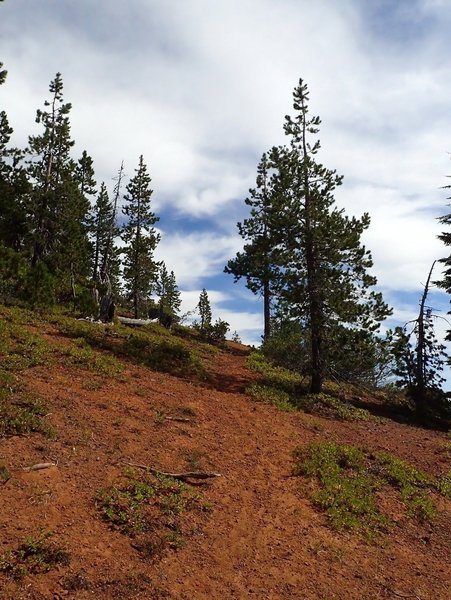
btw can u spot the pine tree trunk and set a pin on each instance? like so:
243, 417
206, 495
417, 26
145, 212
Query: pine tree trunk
267, 311
317, 375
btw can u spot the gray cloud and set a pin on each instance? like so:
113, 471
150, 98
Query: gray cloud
200, 88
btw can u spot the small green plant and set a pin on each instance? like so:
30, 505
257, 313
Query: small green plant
4, 473
411, 483
348, 479
146, 507
80, 354
21, 413
274, 376
443, 485
34, 555
326, 405
160, 417
271, 395
194, 458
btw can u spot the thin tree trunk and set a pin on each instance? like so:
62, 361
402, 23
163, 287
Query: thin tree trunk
420, 350
315, 310
266, 311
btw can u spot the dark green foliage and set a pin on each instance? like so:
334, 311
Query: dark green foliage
286, 389
419, 364
14, 187
168, 292
288, 345
39, 288
84, 172
204, 308
103, 231
58, 207
214, 332
218, 331
326, 284
260, 261
141, 238
13, 271
305, 249
445, 237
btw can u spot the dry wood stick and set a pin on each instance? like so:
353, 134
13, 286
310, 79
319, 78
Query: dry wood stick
38, 467
182, 476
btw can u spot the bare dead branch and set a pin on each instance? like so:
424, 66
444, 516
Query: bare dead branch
38, 467
182, 476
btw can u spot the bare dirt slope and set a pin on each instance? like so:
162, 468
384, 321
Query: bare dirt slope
262, 538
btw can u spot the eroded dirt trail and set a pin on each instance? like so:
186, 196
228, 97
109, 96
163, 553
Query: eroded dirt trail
263, 539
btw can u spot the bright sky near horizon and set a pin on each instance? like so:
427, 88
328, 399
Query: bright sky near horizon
201, 87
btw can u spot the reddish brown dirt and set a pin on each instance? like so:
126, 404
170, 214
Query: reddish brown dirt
263, 538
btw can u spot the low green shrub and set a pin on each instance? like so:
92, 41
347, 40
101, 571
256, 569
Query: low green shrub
347, 480
21, 413
169, 356
34, 555
271, 395
146, 507
326, 405
286, 380
80, 354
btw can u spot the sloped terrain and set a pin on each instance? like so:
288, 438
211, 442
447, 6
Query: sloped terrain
253, 532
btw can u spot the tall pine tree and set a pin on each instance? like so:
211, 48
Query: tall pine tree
58, 208
141, 239
167, 290
259, 262
14, 186
326, 279
318, 265
14, 190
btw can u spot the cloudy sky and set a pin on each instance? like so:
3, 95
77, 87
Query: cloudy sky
201, 87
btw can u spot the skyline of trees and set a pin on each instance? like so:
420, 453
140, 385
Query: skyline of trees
59, 233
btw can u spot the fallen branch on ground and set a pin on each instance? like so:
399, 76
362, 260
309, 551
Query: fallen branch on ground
183, 476
181, 419
136, 322
38, 467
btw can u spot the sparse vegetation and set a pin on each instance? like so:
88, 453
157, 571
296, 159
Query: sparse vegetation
284, 389
346, 490
146, 507
271, 395
21, 413
348, 479
284, 379
80, 354
34, 555
152, 346
4, 473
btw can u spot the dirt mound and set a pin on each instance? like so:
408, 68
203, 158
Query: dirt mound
253, 532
